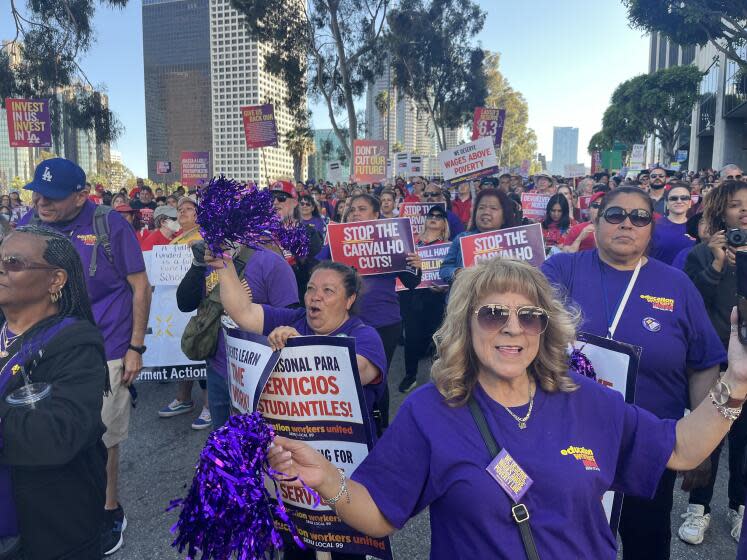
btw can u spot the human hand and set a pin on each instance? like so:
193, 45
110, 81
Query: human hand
298, 459
589, 229
717, 245
279, 337
133, 363
218, 262
414, 260
736, 372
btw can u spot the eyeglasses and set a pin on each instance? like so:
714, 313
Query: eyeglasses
617, 215
657, 176
494, 316
16, 264
734, 177
436, 215
280, 196
431, 194
682, 198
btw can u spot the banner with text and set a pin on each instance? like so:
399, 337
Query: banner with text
468, 161
250, 364
260, 129
369, 161
169, 264
415, 168
195, 167
164, 359
432, 256
315, 395
524, 243
334, 171
372, 247
584, 203
574, 170
489, 121
29, 123
403, 161
417, 212
163, 167
637, 155
534, 205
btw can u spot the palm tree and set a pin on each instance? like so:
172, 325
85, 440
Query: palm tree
299, 141
383, 105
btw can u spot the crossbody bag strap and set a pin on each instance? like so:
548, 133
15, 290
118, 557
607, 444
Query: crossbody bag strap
519, 512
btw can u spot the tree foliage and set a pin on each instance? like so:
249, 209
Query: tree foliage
299, 141
723, 23
51, 37
328, 48
440, 70
658, 104
519, 141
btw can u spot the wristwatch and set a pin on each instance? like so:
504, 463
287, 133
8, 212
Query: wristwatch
139, 349
729, 407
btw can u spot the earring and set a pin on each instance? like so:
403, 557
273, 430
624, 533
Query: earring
55, 296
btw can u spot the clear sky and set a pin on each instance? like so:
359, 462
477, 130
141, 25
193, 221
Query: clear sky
565, 56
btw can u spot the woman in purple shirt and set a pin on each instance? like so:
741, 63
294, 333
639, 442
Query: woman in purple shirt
309, 213
503, 352
670, 234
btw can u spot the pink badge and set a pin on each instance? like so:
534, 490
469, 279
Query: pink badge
509, 475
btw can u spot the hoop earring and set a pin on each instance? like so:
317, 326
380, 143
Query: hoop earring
55, 296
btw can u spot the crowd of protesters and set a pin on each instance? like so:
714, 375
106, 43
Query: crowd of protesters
664, 232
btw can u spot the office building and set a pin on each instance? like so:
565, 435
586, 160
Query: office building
564, 148
176, 63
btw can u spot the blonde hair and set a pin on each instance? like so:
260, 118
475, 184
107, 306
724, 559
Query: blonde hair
455, 370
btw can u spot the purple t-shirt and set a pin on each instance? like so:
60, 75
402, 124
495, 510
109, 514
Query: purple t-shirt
665, 315
433, 456
272, 282
669, 239
681, 258
367, 343
317, 223
109, 290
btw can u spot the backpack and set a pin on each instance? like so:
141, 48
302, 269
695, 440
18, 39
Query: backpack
100, 231
200, 336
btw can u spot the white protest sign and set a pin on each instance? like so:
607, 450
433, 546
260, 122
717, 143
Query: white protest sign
637, 155
469, 161
250, 363
415, 168
334, 171
403, 159
169, 264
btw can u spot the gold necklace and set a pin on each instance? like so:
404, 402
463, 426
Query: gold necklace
523, 421
6, 341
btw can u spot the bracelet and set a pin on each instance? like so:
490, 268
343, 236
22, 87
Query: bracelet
332, 502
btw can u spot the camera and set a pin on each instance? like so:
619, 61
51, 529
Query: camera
736, 237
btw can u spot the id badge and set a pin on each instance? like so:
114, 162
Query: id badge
509, 475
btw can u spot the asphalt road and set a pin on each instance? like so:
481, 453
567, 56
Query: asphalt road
158, 462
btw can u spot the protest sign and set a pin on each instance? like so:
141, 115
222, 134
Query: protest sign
574, 170
260, 129
681, 156
637, 154
369, 161
415, 167
169, 264
596, 162
372, 247
29, 124
488, 121
524, 243
584, 202
524, 169
468, 161
163, 167
616, 367
432, 256
315, 395
164, 360
250, 363
534, 205
195, 168
403, 160
417, 212
334, 171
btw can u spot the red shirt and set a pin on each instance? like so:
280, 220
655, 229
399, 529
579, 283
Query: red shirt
155, 238
463, 209
412, 198
553, 235
587, 243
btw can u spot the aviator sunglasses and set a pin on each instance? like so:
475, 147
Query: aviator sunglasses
494, 316
617, 215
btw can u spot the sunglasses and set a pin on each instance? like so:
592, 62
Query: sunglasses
596, 205
304, 203
494, 316
280, 196
682, 198
436, 215
657, 176
17, 264
617, 215
431, 194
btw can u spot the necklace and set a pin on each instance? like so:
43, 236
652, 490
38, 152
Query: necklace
5, 341
523, 421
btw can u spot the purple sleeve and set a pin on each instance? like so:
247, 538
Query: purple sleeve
325, 254
396, 472
555, 270
646, 444
26, 218
128, 257
704, 347
368, 344
455, 225
271, 278
281, 317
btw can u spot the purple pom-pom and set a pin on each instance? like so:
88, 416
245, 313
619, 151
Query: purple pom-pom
582, 364
231, 213
228, 511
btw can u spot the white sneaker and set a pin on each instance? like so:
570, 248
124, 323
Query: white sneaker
696, 522
735, 520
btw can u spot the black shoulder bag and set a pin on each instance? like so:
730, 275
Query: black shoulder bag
519, 512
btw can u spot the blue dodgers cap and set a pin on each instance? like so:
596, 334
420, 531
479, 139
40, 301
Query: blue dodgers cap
57, 178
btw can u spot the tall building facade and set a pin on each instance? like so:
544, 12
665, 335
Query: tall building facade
327, 147
238, 79
564, 148
176, 61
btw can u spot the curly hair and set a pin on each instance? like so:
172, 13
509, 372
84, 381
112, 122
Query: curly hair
717, 201
455, 370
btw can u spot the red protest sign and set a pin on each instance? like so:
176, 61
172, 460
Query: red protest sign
534, 205
417, 211
523, 243
29, 123
431, 256
488, 121
584, 202
369, 161
259, 126
374, 246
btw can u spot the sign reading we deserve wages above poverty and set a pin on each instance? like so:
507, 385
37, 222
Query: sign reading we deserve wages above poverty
469, 161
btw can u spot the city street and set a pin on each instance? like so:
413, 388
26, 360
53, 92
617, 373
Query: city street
158, 461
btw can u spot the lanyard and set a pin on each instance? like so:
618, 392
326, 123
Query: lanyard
612, 326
